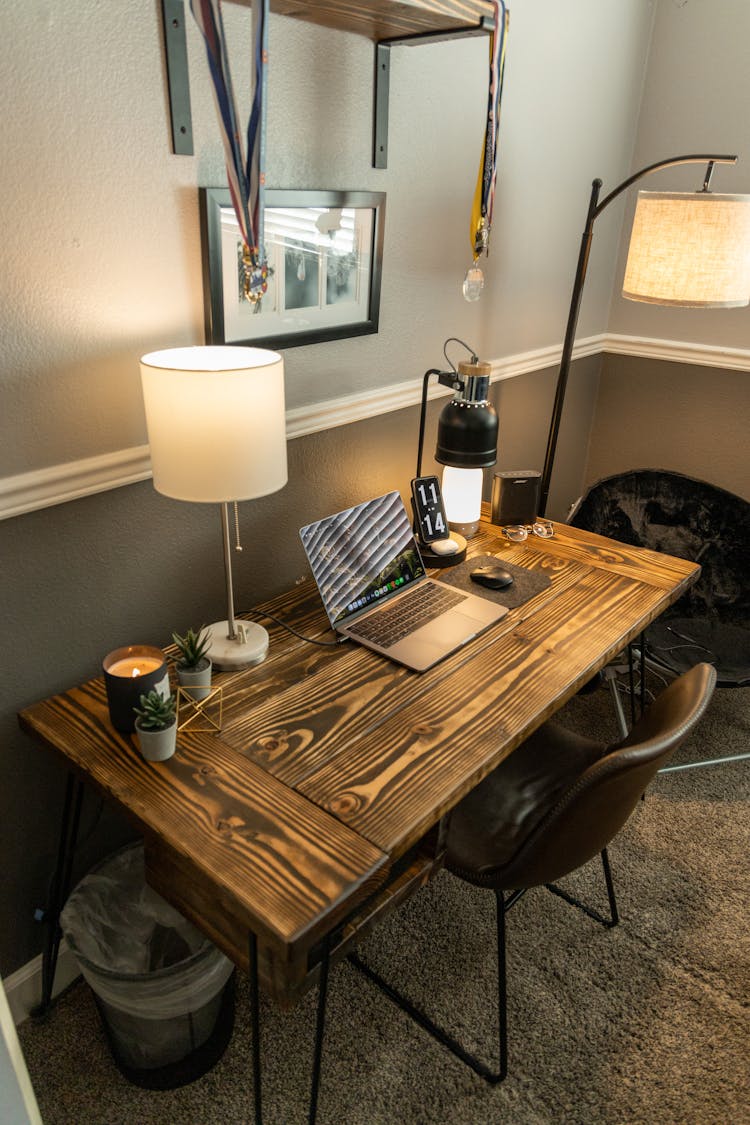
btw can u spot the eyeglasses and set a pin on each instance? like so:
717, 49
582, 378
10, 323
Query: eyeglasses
518, 532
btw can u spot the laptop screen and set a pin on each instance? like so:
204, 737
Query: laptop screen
362, 555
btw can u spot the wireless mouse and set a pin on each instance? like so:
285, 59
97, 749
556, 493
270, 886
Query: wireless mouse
493, 577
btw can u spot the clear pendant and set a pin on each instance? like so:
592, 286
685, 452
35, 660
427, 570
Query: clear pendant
473, 283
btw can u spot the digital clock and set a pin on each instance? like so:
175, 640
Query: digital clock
428, 509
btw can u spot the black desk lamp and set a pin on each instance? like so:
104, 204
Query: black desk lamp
466, 442
686, 248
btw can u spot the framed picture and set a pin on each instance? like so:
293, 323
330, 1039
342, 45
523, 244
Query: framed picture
324, 251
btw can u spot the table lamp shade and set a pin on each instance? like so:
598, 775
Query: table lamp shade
689, 249
216, 422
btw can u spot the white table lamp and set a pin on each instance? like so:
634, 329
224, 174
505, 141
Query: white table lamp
216, 427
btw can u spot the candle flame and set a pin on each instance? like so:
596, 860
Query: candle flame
135, 672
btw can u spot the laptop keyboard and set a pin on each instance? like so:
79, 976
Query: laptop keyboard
394, 622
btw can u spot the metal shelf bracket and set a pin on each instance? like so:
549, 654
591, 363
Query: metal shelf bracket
178, 78
383, 78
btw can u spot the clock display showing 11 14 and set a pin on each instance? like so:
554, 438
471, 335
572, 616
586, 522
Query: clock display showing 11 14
429, 509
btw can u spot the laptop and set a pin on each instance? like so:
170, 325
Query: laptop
372, 580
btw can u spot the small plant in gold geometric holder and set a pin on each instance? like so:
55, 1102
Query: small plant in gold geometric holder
193, 665
200, 714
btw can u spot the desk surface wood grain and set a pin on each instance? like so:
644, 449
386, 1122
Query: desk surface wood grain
332, 763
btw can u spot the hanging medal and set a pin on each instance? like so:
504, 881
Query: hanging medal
484, 194
245, 174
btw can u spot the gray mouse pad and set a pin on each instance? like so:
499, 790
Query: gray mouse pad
526, 583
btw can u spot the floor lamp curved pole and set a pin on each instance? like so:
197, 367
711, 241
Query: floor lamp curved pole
595, 209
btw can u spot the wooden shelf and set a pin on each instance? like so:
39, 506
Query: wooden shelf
388, 20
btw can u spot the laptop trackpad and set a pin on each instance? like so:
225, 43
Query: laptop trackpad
448, 630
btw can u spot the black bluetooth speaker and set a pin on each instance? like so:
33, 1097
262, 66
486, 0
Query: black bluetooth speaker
515, 497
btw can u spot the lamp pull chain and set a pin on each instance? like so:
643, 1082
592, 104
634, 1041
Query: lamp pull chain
237, 544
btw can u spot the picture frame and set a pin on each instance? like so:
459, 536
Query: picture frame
325, 257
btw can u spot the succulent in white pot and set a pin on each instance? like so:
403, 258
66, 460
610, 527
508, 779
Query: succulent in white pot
156, 725
193, 666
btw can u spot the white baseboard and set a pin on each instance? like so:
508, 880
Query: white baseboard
23, 989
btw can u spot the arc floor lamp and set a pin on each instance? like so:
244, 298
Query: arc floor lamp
686, 248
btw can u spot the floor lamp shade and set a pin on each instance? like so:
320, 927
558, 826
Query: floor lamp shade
689, 249
216, 422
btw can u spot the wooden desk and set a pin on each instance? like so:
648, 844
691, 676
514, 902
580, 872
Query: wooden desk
333, 764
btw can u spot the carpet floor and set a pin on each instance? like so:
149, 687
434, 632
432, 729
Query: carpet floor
644, 1023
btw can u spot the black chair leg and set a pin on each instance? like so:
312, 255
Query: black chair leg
440, 1034
614, 917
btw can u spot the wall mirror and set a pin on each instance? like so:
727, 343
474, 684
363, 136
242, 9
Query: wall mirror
324, 252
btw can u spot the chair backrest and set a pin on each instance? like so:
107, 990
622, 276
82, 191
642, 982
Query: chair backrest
679, 515
594, 808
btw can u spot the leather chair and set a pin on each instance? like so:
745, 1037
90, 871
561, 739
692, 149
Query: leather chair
552, 805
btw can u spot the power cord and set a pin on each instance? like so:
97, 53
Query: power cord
291, 629
455, 340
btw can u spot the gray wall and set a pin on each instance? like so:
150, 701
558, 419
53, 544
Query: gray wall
653, 415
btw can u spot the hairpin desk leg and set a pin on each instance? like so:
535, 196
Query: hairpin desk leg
319, 1030
255, 1027
60, 887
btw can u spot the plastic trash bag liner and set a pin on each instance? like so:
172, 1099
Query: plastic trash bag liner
159, 980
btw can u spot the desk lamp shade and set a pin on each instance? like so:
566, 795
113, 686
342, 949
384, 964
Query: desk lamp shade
216, 427
216, 422
690, 249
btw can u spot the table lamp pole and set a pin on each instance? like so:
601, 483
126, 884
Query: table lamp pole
231, 629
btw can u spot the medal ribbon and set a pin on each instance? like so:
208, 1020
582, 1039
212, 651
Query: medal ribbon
484, 194
245, 175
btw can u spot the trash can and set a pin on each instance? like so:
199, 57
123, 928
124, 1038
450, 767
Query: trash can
165, 992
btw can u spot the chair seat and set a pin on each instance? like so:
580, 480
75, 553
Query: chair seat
488, 827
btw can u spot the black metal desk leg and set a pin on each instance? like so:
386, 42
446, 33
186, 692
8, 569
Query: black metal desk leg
255, 1027
319, 1030
60, 889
